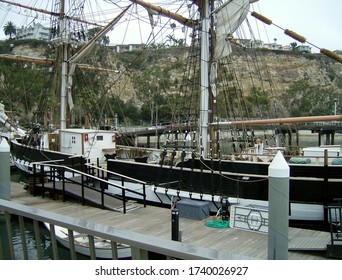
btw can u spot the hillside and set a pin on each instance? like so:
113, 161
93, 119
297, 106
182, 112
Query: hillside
285, 77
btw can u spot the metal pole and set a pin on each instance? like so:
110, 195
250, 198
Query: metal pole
5, 171
157, 144
175, 224
225, 210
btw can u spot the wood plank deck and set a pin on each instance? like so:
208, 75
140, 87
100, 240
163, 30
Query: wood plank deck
156, 221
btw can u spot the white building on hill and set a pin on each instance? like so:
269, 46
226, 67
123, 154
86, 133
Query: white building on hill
35, 31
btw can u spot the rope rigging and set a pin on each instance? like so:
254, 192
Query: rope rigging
235, 96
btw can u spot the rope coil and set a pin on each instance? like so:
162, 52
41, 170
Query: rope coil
217, 224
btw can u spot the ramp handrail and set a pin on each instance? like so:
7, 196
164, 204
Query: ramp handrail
61, 169
335, 220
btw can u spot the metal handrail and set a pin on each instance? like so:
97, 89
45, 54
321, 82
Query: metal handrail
139, 243
335, 220
117, 174
123, 178
52, 174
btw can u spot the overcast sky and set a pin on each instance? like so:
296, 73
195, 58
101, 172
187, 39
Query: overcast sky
319, 21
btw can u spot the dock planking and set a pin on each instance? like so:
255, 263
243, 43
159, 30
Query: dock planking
156, 221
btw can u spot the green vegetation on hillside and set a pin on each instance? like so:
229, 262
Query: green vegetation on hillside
30, 91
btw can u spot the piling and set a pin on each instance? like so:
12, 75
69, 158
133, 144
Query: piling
278, 208
175, 224
225, 208
5, 171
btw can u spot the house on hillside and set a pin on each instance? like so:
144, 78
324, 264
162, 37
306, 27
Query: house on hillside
125, 48
35, 31
304, 48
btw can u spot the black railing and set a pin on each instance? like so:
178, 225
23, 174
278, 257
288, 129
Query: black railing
108, 175
335, 219
334, 248
54, 173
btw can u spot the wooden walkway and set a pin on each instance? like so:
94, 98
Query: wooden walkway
156, 221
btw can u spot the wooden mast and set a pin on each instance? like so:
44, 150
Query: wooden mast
204, 85
64, 65
160, 10
280, 120
47, 12
27, 59
30, 8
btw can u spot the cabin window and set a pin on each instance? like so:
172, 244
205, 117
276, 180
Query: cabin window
73, 139
99, 137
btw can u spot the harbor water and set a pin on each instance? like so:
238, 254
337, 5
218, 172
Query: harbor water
30, 240
45, 244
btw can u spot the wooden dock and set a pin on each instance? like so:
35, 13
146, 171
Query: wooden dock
155, 221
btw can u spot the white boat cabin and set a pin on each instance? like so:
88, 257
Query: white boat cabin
316, 154
90, 143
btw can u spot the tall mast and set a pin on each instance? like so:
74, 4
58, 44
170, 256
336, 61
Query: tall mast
68, 63
204, 98
64, 65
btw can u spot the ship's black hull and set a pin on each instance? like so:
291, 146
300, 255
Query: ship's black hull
248, 180
26, 155
245, 180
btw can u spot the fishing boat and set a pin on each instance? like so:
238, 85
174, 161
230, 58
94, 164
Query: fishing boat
103, 247
194, 166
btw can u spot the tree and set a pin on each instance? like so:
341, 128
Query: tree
302, 99
22, 88
294, 46
259, 100
149, 85
104, 40
9, 29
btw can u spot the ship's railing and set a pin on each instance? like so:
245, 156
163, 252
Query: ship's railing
335, 218
334, 249
57, 172
140, 244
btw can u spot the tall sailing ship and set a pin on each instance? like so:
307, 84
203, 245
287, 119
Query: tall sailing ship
192, 164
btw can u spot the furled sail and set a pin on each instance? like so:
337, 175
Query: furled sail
85, 50
230, 16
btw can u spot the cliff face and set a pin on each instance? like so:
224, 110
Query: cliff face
284, 68
272, 71
276, 72
27, 50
